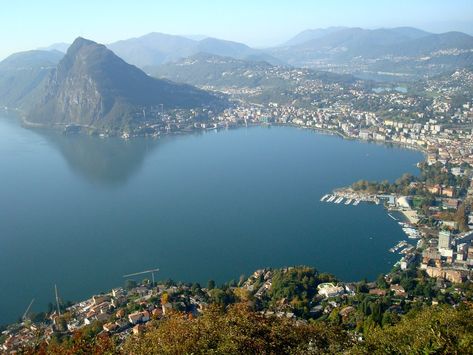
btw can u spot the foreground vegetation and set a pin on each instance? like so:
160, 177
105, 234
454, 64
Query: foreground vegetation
238, 320
237, 329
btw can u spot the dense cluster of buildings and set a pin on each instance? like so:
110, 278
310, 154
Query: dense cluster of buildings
451, 259
121, 312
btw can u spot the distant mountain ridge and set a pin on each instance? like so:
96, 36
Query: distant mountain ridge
93, 87
405, 51
309, 35
338, 49
22, 73
204, 69
373, 43
393, 54
335, 35
158, 48
251, 81
60, 46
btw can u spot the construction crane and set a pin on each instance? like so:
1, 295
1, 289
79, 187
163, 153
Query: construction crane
57, 300
27, 310
152, 271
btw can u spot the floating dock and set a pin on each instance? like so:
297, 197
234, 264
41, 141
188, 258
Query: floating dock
345, 199
324, 197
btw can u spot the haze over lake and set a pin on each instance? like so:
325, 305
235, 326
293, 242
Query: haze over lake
81, 211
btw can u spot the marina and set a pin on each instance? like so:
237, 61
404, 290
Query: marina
350, 197
347, 200
412, 233
402, 247
337, 199
398, 246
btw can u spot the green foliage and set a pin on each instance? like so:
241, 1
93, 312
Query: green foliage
296, 282
297, 286
439, 330
401, 186
381, 282
211, 284
222, 297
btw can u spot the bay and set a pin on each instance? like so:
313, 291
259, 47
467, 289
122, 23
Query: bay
81, 211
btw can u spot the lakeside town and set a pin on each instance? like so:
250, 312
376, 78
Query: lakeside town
434, 116
296, 293
434, 210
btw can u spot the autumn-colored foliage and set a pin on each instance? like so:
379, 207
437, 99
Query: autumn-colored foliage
240, 330
237, 331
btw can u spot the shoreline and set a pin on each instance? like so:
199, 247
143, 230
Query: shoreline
294, 126
56, 126
410, 215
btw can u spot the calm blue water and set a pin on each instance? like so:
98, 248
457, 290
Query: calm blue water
400, 89
81, 212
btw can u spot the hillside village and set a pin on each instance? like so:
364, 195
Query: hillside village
298, 293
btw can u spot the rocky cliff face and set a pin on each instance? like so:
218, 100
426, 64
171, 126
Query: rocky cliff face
91, 86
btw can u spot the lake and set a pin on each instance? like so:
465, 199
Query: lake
81, 212
400, 89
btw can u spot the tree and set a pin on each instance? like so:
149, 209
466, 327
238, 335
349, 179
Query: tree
381, 282
164, 298
461, 217
196, 287
439, 330
129, 284
376, 313
238, 330
389, 318
211, 284
362, 287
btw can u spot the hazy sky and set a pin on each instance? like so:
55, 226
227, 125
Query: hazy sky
30, 24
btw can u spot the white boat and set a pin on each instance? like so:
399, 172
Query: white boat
339, 200
323, 198
347, 202
411, 232
331, 198
356, 203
